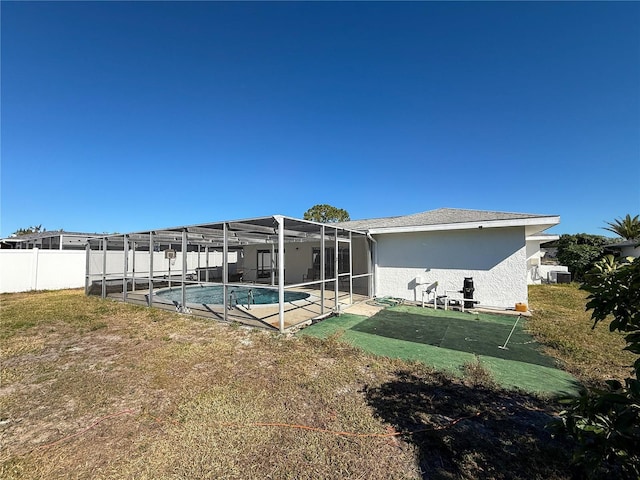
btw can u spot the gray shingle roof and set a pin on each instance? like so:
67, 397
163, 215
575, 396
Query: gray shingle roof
437, 217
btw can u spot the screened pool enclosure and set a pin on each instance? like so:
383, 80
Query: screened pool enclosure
275, 272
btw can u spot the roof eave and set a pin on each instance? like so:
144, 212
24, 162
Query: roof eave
538, 223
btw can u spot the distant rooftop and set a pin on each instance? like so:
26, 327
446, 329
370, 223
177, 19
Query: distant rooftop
49, 233
624, 243
49, 239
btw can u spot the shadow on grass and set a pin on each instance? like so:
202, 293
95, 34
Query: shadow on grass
472, 432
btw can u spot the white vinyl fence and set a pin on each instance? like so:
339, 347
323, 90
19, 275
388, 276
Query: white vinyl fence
36, 269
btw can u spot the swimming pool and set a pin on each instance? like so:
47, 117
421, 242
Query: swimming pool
214, 294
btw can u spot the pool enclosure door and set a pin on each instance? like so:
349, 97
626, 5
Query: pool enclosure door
330, 255
267, 263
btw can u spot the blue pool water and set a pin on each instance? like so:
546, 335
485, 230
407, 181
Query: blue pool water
213, 294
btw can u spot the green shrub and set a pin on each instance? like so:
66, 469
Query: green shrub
579, 252
606, 423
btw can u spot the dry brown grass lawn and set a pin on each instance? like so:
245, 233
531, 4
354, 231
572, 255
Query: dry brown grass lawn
93, 388
561, 323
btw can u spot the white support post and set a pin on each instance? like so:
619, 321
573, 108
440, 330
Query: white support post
133, 266
104, 267
151, 252
125, 266
280, 221
87, 267
169, 265
369, 253
225, 277
322, 269
335, 271
350, 270
206, 263
184, 271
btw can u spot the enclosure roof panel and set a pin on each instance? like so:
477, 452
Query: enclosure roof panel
242, 232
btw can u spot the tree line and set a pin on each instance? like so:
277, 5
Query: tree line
581, 251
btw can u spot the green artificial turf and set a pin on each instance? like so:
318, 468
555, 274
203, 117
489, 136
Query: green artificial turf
449, 340
470, 334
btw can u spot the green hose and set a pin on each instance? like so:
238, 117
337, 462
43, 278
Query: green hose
386, 302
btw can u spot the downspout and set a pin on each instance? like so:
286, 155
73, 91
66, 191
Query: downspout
375, 264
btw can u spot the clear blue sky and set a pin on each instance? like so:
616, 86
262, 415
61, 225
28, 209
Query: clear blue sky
120, 117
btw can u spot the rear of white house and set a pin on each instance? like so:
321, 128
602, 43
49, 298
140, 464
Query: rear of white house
393, 256
448, 245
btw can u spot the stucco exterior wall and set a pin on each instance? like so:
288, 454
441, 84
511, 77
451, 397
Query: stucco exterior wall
299, 258
534, 261
494, 257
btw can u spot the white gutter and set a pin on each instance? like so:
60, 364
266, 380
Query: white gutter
543, 238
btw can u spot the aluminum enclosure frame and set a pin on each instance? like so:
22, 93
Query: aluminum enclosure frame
290, 254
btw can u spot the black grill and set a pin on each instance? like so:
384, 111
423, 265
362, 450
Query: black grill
467, 291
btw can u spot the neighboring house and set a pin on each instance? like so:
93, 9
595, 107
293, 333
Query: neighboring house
627, 248
542, 266
497, 249
48, 240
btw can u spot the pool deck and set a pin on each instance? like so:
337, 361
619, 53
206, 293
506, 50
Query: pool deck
297, 313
